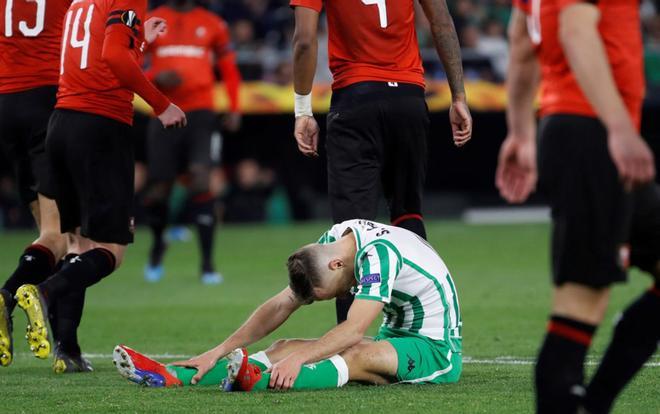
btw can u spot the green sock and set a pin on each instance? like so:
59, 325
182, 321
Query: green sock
212, 378
329, 373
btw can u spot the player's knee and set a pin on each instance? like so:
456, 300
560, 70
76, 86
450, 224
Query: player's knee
582, 303
55, 241
199, 180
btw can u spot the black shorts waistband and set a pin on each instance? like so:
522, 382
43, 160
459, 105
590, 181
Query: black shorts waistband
365, 92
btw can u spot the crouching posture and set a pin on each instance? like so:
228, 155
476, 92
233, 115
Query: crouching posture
389, 269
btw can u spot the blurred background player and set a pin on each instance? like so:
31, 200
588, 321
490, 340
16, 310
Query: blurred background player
90, 153
597, 173
30, 37
182, 66
378, 124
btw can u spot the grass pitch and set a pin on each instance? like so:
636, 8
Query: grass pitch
501, 273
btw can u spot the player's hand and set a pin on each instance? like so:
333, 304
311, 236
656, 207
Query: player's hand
461, 122
173, 117
154, 27
516, 168
307, 135
232, 121
632, 157
202, 363
284, 373
168, 79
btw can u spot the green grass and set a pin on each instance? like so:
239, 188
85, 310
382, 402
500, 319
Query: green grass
501, 273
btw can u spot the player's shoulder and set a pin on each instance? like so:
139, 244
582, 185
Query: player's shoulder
205, 14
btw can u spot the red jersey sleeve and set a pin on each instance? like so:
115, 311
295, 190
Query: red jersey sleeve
121, 50
522, 5
310, 4
561, 4
226, 61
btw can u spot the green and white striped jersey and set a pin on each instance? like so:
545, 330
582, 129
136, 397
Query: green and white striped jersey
400, 269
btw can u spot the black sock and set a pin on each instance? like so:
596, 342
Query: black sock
342, 304
69, 314
52, 309
202, 209
82, 272
157, 212
635, 339
412, 222
36, 264
559, 367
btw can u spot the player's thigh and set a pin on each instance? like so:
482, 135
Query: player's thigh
62, 185
372, 361
354, 154
203, 149
421, 360
102, 165
164, 154
590, 210
644, 241
406, 154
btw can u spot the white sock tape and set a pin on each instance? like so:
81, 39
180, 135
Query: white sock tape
342, 370
303, 105
262, 357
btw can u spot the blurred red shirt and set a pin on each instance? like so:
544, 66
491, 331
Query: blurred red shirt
193, 41
30, 43
620, 29
371, 40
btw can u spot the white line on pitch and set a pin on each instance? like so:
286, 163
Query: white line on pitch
502, 360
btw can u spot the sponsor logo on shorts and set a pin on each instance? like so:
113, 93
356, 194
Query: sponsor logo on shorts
131, 225
370, 278
624, 257
411, 363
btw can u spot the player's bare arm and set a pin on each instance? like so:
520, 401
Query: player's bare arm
516, 170
449, 50
345, 335
585, 52
305, 51
265, 319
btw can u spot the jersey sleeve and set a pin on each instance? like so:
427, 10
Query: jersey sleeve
316, 5
330, 236
379, 265
561, 4
522, 5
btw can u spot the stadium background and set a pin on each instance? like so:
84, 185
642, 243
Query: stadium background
264, 177
501, 271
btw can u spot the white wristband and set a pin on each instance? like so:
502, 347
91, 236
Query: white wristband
303, 105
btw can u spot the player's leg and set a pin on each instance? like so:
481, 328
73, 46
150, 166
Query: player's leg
637, 332
404, 171
163, 155
95, 163
354, 150
202, 153
589, 219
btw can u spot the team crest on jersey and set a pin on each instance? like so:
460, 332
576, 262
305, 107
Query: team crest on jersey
370, 278
129, 18
201, 31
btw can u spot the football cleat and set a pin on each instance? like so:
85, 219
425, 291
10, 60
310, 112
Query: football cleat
34, 305
241, 375
6, 341
153, 274
142, 370
178, 234
211, 278
69, 364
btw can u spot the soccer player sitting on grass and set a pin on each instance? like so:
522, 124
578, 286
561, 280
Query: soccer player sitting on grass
390, 269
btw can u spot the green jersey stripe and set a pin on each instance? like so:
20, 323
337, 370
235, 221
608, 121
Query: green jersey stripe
417, 308
438, 287
365, 270
384, 260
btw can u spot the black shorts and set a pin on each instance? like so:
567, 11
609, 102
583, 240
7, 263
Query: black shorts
377, 144
171, 152
23, 124
598, 228
92, 162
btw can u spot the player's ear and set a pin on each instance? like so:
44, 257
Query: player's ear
336, 264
